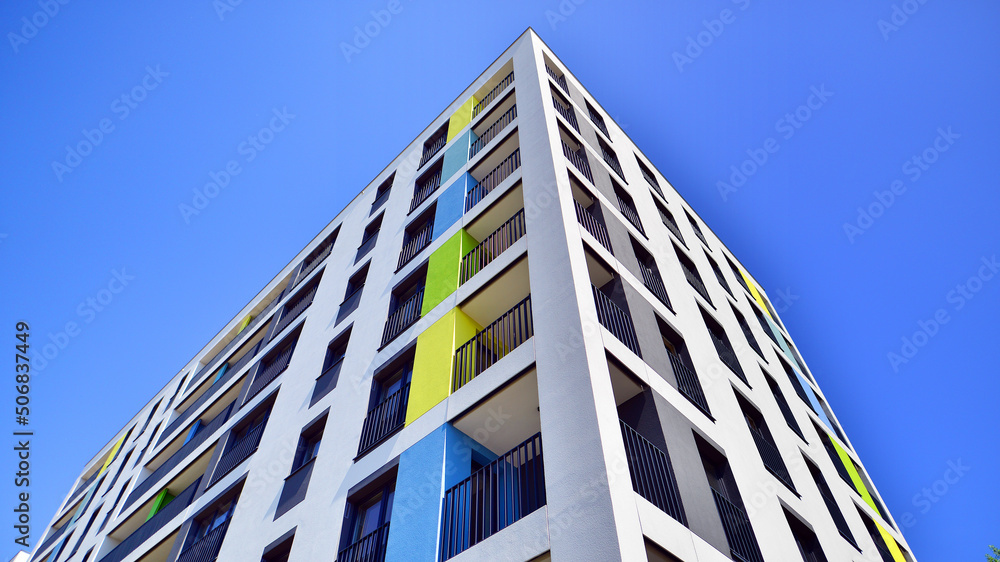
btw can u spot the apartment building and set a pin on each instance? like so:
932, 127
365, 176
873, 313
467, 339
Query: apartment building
517, 343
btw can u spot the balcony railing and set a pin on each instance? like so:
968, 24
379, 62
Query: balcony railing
209, 393
293, 310
616, 320
495, 129
406, 313
327, 381
561, 80
493, 343
594, 226
765, 327
369, 548
739, 533
652, 474
153, 524
492, 246
628, 209
493, 498
612, 160
437, 143
206, 549
695, 280
596, 118
380, 199
51, 539
579, 160
651, 180
688, 383
748, 334
771, 457
836, 514
489, 182
567, 113
699, 233
384, 419
728, 356
425, 188
492, 95
312, 263
269, 371
671, 224
238, 452
652, 280
417, 241
369, 241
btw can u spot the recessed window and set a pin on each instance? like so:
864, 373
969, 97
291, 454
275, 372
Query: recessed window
382, 193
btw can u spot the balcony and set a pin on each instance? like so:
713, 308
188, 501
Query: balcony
384, 419
312, 261
207, 548
269, 370
493, 343
416, 242
493, 130
651, 180
567, 113
611, 159
688, 383
728, 356
153, 524
561, 80
739, 533
238, 452
652, 280
493, 94
433, 146
492, 179
598, 122
627, 207
369, 548
691, 274
425, 186
294, 309
593, 225
492, 246
652, 474
771, 457
616, 320
579, 160
493, 498
406, 313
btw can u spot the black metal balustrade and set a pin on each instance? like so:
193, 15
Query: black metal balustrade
425, 188
652, 474
417, 241
561, 80
269, 371
746, 332
671, 224
835, 513
369, 548
493, 498
688, 383
491, 180
739, 533
384, 419
567, 113
628, 209
699, 233
492, 95
238, 452
293, 310
311, 264
652, 280
579, 160
616, 320
596, 118
492, 246
651, 180
433, 148
153, 524
154, 479
406, 313
594, 226
771, 457
695, 280
765, 327
491, 133
493, 343
612, 160
728, 357
206, 549
55, 535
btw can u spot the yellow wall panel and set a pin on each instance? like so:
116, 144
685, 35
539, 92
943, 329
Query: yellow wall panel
434, 360
461, 117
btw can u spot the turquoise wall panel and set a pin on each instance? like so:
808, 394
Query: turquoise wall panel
456, 156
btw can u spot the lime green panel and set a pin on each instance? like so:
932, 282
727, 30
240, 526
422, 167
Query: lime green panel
159, 502
890, 542
461, 117
433, 361
859, 484
246, 322
443, 269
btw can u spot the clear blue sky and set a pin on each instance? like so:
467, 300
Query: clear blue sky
208, 82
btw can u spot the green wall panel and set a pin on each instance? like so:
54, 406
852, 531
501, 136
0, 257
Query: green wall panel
443, 269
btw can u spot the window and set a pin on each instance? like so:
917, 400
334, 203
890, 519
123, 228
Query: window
736, 272
680, 361
831, 451
611, 158
762, 321
405, 305
650, 273
831, 503
877, 538
627, 206
648, 175
434, 144
280, 549
786, 412
213, 519
332, 363
366, 522
150, 416
764, 441
308, 447
564, 108
177, 390
667, 218
805, 539
692, 275
732, 513
723, 347
697, 230
297, 483
118, 473
426, 184
354, 288
719, 276
747, 333
417, 236
387, 403
598, 120
369, 238
382, 193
